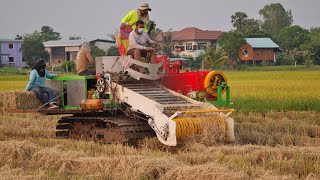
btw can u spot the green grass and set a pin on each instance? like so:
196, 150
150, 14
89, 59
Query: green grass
13, 71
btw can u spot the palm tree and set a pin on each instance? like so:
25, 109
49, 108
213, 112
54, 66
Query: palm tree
167, 43
213, 57
154, 33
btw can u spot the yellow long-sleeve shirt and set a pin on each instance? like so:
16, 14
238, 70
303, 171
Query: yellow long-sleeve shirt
132, 17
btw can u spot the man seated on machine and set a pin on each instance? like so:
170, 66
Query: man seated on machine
138, 41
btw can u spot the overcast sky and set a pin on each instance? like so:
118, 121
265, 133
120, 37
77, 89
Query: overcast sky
97, 18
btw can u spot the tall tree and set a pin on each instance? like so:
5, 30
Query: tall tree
32, 47
213, 57
313, 46
292, 37
231, 43
18, 37
75, 37
47, 34
251, 25
250, 28
33, 50
275, 18
238, 20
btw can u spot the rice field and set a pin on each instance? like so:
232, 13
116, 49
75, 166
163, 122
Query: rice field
14, 82
274, 90
251, 91
277, 137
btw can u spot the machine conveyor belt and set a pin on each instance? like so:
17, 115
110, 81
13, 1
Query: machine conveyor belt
158, 94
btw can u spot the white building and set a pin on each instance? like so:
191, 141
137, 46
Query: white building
191, 41
61, 50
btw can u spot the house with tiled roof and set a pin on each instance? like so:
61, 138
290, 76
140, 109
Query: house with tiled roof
10, 54
259, 49
191, 41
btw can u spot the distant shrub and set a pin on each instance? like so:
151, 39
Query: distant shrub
69, 66
242, 67
13, 71
113, 51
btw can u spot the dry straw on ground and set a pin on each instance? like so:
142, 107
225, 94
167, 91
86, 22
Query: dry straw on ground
19, 100
28, 150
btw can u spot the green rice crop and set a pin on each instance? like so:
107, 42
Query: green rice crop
262, 91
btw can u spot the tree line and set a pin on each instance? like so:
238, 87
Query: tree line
298, 45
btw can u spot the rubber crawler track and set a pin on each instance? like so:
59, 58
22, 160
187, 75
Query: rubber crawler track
120, 129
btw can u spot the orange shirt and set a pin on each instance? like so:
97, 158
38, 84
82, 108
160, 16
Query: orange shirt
84, 58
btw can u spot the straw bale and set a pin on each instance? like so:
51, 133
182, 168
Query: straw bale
19, 100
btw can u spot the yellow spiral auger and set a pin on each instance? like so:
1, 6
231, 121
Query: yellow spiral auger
193, 122
211, 82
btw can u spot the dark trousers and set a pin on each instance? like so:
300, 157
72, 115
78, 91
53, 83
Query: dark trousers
88, 72
41, 93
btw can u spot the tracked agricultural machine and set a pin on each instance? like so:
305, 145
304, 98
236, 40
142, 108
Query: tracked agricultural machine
121, 105
128, 100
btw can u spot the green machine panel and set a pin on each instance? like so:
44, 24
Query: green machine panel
76, 91
72, 89
57, 86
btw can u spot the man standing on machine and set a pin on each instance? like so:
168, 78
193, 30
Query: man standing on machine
138, 41
133, 16
84, 59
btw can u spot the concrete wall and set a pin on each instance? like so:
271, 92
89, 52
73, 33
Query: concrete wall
73, 55
194, 52
72, 48
6, 53
57, 55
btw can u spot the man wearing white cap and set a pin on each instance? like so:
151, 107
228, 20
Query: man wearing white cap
133, 16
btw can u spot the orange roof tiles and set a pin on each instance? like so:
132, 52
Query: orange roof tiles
192, 33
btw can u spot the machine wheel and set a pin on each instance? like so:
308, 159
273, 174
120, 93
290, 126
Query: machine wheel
212, 81
101, 85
